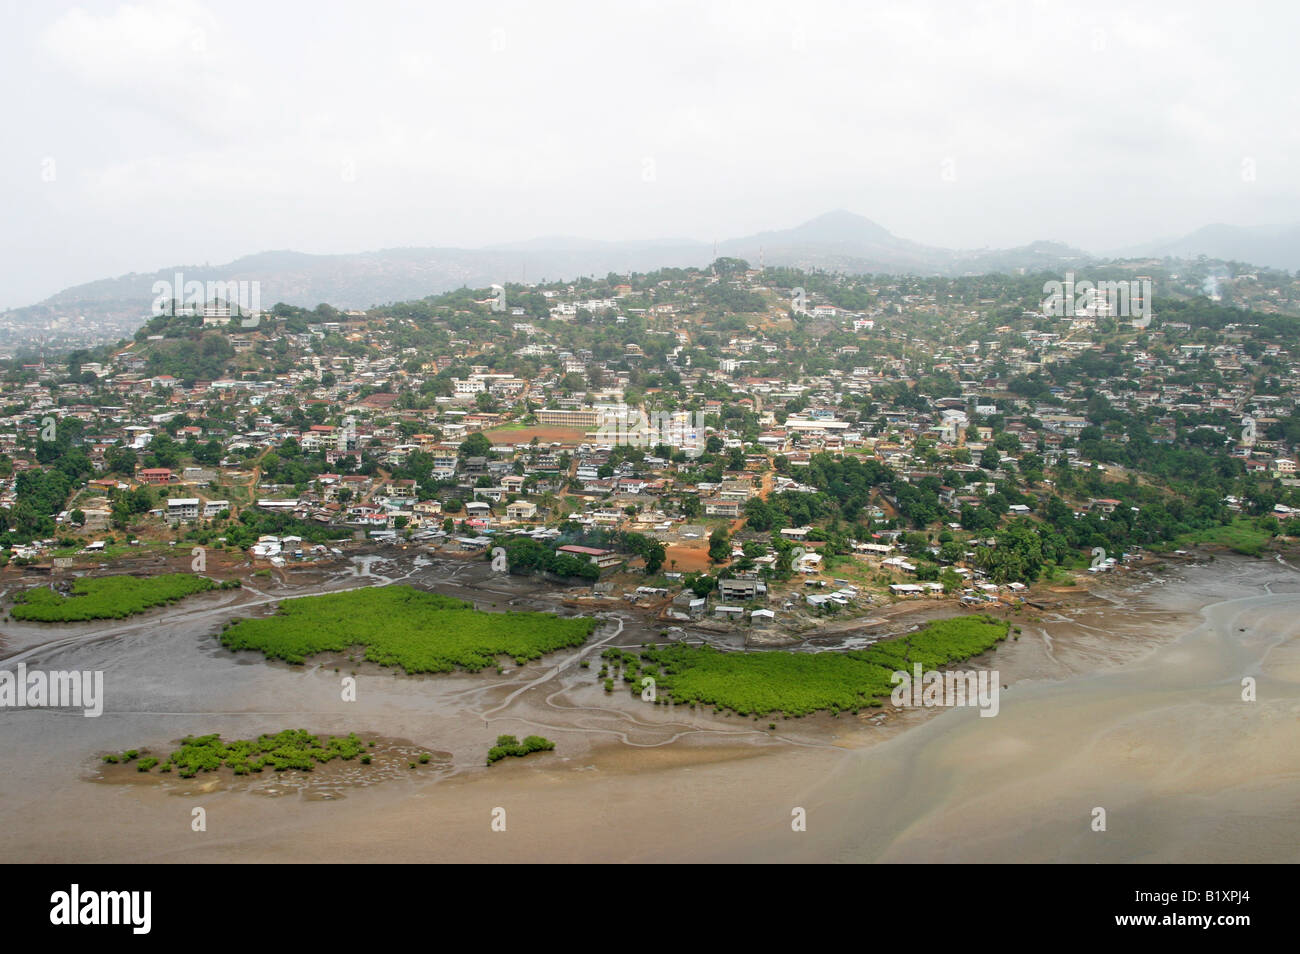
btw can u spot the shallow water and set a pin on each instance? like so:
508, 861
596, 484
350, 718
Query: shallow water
1134, 707
1183, 767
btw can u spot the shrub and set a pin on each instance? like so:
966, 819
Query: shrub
508, 745
796, 684
405, 627
289, 749
106, 597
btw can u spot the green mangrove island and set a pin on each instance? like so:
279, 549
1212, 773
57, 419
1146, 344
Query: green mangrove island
295, 749
401, 626
508, 745
109, 597
797, 684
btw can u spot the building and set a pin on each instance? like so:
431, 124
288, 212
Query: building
717, 507
742, 591
183, 508
602, 558
521, 510
428, 508
583, 418
808, 563
96, 519
688, 604
156, 475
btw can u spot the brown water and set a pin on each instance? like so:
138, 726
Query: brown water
1135, 708
1185, 770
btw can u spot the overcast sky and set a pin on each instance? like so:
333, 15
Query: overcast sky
161, 132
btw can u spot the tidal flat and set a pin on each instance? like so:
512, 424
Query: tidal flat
1127, 699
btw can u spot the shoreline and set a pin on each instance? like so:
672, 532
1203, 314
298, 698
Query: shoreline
652, 771
1040, 658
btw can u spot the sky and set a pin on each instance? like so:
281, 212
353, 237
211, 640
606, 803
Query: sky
155, 133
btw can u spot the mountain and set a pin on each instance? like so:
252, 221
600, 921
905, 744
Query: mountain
1271, 246
837, 241
842, 241
361, 279
1034, 257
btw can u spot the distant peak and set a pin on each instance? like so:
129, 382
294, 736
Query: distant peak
840, 226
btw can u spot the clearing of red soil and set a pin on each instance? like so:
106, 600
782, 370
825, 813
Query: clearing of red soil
544, 435
690, 559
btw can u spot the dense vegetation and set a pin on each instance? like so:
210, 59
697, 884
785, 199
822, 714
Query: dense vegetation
107, 597
1242, 536
1187, 504
508, 745
799, 683
647, 547
403, 626
289, 749
188, 352
255, 523
525, 556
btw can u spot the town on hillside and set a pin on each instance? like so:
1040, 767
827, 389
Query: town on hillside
759, 448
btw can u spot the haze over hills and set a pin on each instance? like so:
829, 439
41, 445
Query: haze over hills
837, 241
1271, 246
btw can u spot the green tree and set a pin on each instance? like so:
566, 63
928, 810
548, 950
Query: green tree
476, 445
719, 546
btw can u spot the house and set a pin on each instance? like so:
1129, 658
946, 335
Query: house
717, 507
156, 475
906, 589
183, 508
875, 549
740, 591
521, 510
688, 603
740, 490
899, 563
808, 563
602, 558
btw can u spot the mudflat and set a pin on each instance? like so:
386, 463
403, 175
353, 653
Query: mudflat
1128, 700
